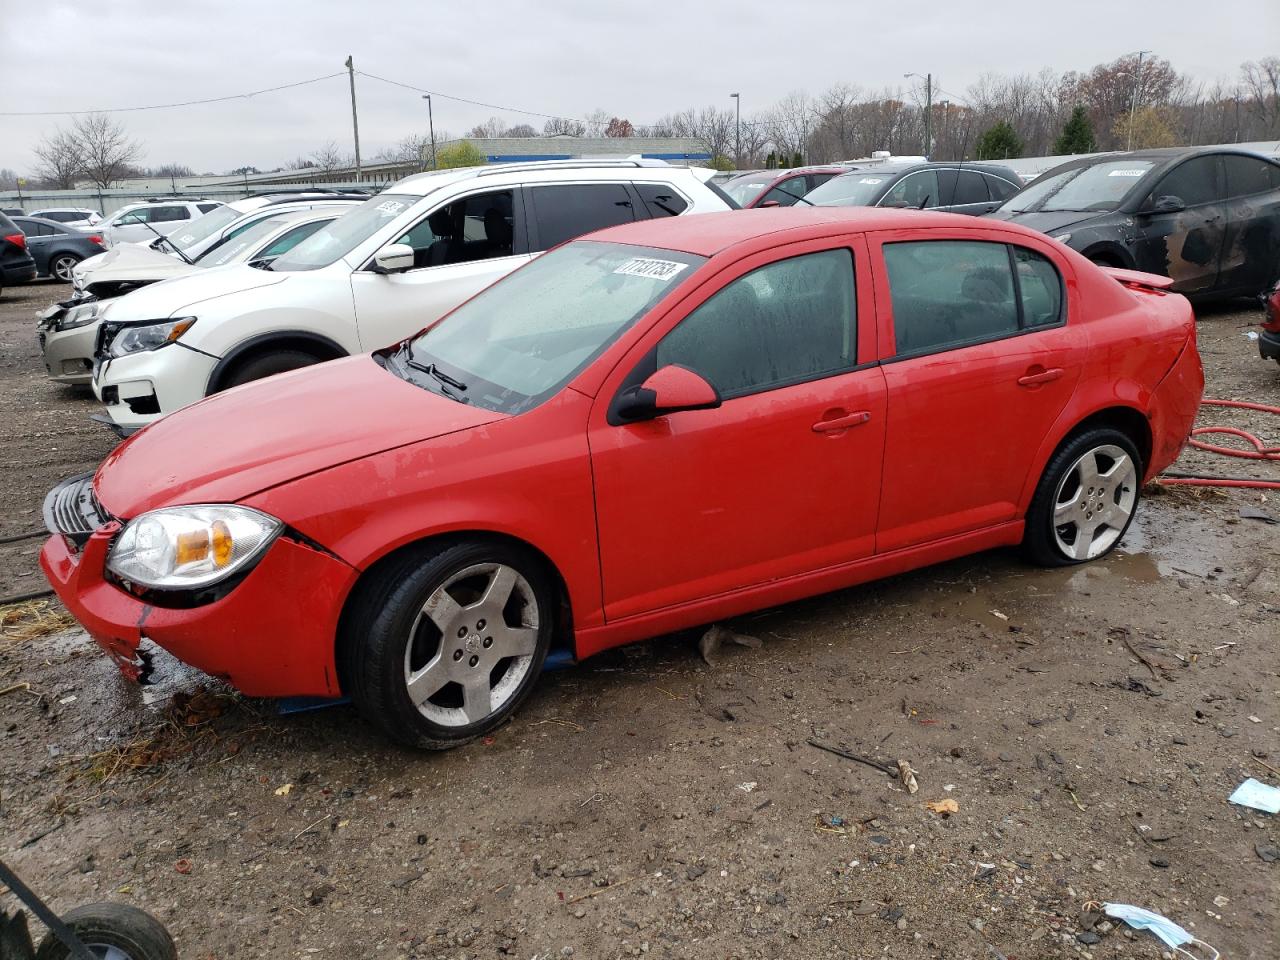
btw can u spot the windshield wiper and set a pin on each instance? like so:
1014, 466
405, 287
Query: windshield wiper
431, 369
172, 246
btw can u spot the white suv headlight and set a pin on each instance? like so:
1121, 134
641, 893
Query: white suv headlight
148, 336
79, 316
178, 548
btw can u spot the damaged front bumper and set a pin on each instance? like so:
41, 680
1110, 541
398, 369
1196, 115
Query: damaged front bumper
271, 635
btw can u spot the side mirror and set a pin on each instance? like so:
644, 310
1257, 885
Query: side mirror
1168, 205
771, 203
393, 258
669, 390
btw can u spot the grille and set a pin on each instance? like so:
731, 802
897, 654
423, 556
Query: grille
72, 510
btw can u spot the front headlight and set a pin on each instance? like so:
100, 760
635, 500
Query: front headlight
177, 548
79, 316
1062, 237
148, 336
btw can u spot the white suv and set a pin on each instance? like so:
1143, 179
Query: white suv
142, 221
385, 270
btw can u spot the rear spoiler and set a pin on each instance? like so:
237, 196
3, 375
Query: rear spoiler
1137, 280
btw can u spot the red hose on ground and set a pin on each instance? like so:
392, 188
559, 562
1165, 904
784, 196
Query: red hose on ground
1259, 452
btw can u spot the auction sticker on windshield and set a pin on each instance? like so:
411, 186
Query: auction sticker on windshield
653, 269
1126, 173
390, 207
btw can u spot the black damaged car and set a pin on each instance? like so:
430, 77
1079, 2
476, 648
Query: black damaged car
1207, 218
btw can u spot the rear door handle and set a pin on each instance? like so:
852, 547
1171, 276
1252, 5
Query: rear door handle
836, 424
1040, 376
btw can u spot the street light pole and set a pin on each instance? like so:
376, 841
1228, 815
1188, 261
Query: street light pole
1133, 102
355, 124
737, 130
431, 125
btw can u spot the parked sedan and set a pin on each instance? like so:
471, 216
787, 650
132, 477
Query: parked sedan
1207, 218
777, 188
56, 247
70, 216
16, 264
970, 188
658, 426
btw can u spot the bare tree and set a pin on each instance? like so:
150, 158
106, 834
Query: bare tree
1261, 82
58, 159
8, 179
564, 127
491, 128
330, 158
521, 130
105, 149
597, 123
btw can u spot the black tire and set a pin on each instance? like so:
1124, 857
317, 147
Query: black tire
267, 364
133, 932
1040, 543
379, 627
69, 259
1102, 260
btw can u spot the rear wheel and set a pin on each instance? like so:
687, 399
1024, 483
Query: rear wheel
61, 266
112, 931
1085, 500
268, 364
443, 645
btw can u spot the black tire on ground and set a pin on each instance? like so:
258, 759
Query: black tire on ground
136, 934
1039, 543
65, 261
266, 364
379, 627
1103, 260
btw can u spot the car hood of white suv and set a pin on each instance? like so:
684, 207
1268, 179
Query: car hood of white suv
173, 297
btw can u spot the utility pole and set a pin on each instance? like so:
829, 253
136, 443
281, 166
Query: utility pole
431, 126
355, 124
928, 109
737, 130
1133, 102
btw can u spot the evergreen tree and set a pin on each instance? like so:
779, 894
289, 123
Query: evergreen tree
1077, 134
1001, 142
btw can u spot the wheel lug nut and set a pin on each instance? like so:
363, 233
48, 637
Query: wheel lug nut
457, 654
479, 624
488, 642
474, 660
462, 632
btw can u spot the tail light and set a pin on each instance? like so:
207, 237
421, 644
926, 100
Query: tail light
1272, 323
19, 240
95, 238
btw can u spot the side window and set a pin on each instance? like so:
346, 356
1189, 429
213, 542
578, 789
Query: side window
818, 179
915, 190
140, 215
288, 240
661, 200
787, 192
1193, 182
169, 214
478, 227
247, 225
971, 188
949, 292
785, 323
1001, 189
207, 207
1249, 175
568, 211
1039, 288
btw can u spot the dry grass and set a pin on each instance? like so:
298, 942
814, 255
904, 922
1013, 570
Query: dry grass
1180, 494
21, 623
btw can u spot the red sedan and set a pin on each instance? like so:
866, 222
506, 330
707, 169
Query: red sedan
655, 427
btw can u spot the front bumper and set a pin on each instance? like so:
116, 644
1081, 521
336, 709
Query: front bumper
272, 635
68, 354
1269, 345
141, 387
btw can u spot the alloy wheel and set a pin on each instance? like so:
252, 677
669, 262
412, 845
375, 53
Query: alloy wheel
1094, 502
62, 268
472, 644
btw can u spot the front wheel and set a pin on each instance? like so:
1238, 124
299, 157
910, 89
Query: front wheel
444, 644
1086, 499
112, 931
269, 364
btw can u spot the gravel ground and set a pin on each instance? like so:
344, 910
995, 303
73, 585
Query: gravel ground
1089, 725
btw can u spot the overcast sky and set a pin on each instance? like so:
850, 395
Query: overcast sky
563, 57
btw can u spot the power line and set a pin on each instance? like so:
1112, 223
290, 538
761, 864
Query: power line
167, 106
475, 103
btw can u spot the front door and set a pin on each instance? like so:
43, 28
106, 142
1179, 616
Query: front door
459, 249
980, 366
782, 478
1185, 245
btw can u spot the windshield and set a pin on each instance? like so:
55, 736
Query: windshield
522, 339
202, 228
343, 235
238, 248
1098, 187
849, 190
746, 189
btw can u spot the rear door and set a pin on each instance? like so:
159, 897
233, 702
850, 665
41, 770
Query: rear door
1185, 245
979, 360
1251, 251
967, 192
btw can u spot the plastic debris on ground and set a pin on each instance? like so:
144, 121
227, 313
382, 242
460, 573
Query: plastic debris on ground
1169, 932
1258, 795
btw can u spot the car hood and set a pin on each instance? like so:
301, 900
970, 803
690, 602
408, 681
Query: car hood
171, 298
130, 262
1048, 221
234, 444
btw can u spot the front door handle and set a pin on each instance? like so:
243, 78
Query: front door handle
843, 422
1038, 375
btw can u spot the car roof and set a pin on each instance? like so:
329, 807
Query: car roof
65, 210
707, 234
550, 170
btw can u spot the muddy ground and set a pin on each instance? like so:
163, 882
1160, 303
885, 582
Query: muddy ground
1089, 725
